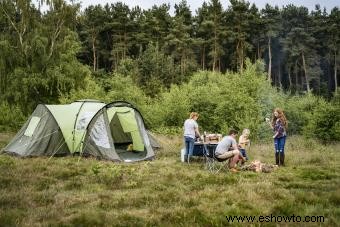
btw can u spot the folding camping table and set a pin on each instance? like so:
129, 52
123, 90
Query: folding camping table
200, 147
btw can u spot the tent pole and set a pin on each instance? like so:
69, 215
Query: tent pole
74, 127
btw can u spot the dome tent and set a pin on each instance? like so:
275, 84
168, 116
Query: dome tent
86, 127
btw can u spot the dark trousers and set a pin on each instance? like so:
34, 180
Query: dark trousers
244, 153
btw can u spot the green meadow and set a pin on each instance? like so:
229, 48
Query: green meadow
74, 191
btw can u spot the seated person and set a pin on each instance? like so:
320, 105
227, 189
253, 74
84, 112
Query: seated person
227, 149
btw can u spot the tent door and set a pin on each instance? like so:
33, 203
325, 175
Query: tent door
126, 135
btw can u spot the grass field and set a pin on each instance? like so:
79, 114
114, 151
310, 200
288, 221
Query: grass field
85, 192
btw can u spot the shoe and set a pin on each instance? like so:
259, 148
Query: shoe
233, 170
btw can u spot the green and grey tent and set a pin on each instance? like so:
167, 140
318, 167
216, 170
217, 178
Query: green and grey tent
114, 131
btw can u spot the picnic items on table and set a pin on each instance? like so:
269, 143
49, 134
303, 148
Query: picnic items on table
211, 138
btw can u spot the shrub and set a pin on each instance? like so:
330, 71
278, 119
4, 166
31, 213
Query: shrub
11, 117
110, 88
224, 101
90, 90
299, 109
324, 122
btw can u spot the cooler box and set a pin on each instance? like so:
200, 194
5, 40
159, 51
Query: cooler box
182, 154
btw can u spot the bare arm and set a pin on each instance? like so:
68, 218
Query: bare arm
197, 132
274, 136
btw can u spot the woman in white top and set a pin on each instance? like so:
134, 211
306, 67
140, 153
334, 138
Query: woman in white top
190, 133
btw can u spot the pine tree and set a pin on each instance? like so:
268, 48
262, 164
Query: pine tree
179, 42
202, 34
240, 18
121, 25
271, 19
89, 30
299, 42
334, 42
214, 22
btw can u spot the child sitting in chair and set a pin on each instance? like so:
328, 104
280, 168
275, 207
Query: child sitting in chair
244, 142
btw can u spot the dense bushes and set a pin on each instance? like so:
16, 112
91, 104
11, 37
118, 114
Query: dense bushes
324, 122
313, 117
110, 87
235, 100
299, 110
224, 101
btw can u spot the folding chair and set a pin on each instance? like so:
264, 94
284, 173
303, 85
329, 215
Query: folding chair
212, 163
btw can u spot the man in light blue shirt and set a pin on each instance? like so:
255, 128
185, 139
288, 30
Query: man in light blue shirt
227, 149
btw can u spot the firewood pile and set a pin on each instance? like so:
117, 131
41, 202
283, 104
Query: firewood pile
257, 166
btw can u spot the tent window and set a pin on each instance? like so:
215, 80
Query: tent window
84, 120
99, 133
32, 126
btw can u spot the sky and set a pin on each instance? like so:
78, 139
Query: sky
194, 4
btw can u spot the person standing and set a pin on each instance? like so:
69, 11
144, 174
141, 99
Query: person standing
190, 133
279, 125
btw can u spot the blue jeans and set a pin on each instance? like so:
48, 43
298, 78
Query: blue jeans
279, 144
189, 145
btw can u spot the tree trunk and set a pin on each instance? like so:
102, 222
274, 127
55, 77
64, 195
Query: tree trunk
241, 57
55, 36
203, 58
125, 45
270, 59
20, 31
305, 72
97, 62
296, 75
290, 78
94, 53
183, 64
215, 51
279, 75
219, 64
239, 52
335, 72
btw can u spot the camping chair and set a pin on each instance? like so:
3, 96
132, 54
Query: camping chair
212, 163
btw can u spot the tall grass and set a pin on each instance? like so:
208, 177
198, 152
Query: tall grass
165, 192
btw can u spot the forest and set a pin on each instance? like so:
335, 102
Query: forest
232, 65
